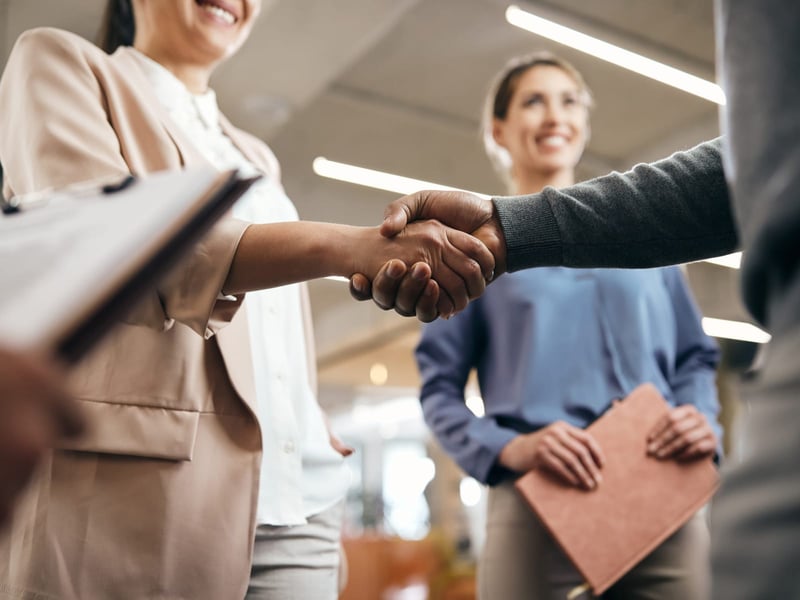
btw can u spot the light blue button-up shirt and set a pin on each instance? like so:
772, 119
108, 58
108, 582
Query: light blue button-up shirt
555, 344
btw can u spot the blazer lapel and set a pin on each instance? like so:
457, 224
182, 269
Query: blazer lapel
125, 60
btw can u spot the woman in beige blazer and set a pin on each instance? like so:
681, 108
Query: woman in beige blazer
158, 499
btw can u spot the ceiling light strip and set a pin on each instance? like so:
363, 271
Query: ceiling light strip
376, 179
615, 55
735, 330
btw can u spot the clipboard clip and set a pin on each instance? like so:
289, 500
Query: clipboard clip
17, 204
113, 188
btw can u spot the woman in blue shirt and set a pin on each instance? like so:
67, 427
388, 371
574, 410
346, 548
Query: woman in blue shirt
553, 347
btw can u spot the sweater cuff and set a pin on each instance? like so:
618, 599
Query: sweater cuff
532, 235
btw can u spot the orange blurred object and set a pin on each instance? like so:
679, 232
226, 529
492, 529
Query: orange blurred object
380, 567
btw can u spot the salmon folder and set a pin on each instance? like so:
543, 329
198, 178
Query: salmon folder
640, 502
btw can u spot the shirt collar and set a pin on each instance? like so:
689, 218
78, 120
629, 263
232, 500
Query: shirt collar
173, 94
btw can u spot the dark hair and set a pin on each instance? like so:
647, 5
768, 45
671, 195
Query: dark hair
118, 26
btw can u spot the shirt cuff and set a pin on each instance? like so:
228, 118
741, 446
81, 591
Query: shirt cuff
531, 231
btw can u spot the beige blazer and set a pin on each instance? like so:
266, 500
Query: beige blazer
158, 500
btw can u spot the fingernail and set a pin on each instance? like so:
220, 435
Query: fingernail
395, 270
418, 273
490, 277
651, 448
598, 478
358, 285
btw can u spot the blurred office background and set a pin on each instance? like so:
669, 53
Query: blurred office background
397, 86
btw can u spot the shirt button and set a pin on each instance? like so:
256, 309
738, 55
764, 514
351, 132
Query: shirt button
288, 447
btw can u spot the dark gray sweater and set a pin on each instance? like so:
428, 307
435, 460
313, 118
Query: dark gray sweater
680, 209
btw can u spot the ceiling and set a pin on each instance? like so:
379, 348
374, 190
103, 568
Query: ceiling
397, 85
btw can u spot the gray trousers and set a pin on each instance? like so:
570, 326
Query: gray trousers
298, 562
756, 516
520, 560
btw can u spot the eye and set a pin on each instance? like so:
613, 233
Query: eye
533, 100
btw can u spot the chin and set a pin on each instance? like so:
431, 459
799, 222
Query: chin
216, 46
566, 159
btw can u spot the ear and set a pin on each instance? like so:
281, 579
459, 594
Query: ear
498, 132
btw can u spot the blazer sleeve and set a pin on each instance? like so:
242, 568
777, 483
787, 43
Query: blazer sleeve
57, 130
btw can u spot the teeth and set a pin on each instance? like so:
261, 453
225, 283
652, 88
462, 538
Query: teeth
553, 140
223, 14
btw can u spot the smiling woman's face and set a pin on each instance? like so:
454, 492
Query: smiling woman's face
193, 32
546, 125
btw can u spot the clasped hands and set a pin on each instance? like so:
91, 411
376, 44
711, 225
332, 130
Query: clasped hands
442, 286
574, 456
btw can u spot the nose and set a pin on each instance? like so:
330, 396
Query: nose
554, 112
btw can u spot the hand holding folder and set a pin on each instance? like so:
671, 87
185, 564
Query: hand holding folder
641, 502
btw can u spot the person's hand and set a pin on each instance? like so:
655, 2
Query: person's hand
457, 262
460, 210
568, 452
409, 292
335, 441
34, 412
683, 434
338, 445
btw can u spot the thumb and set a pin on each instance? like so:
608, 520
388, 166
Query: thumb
400, 213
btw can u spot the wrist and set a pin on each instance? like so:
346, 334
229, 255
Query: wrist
493, 237
343, 252
513, 455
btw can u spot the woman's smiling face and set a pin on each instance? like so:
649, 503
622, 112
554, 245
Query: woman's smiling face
546, 125
197, 32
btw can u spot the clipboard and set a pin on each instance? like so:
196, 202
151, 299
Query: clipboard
73, 262
641, 502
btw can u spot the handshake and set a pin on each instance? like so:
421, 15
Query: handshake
455, 272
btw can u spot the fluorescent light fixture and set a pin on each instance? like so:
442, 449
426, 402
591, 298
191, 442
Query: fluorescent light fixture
735, 330
732, 261
376, 179
615, 55
338, 278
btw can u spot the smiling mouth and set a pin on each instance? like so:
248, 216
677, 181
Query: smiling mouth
552, 141
218, 11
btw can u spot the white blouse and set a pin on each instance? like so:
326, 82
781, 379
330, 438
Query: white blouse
301, 474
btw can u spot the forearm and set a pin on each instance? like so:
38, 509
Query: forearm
275, 254
474, 443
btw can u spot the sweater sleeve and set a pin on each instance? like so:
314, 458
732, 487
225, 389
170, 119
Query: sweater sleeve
674, 210
447, 352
